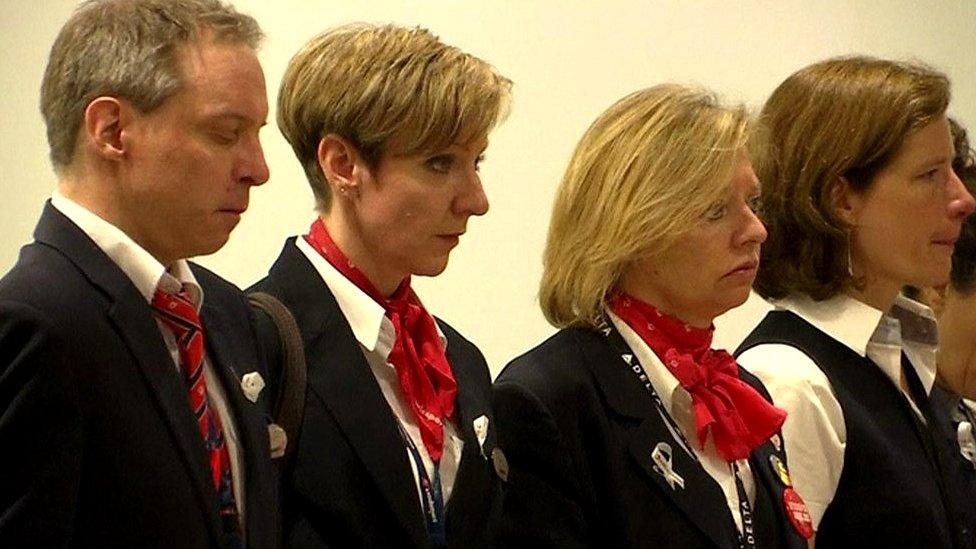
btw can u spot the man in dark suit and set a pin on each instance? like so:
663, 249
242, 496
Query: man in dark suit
130, 412
397, 441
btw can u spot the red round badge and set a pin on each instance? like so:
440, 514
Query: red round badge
796, 510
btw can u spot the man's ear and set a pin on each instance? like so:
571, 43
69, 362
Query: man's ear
845, 200
341, 163
105, 118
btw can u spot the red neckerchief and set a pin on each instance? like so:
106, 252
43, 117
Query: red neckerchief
738, 417
425, 376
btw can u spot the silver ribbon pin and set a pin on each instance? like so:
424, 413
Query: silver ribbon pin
480, 426
661, 455
967, 442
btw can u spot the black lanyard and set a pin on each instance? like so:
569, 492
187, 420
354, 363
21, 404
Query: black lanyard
747, 538
433, 497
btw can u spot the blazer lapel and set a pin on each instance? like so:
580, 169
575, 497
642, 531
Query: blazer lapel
132, 317
471, 405
230, 362
340, 377
700, 498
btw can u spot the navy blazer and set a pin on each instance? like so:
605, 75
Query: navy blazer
99, 444
351, 483
579, 430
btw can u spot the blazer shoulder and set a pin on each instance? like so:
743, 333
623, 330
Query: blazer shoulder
47, 282
454, 338
215, 286
465, 357
554, 371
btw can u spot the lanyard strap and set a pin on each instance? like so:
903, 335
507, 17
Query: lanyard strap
747, 538
633, 364
433, 497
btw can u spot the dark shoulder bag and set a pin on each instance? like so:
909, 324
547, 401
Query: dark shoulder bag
285, 356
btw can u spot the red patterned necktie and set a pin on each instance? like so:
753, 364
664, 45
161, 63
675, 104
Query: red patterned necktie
177, 313
418, 356
736, 415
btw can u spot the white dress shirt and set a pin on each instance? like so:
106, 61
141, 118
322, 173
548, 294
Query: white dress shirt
146, 273
376, 335
814, 434
677, 402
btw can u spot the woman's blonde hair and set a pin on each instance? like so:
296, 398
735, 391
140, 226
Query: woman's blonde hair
368, 84
642, 175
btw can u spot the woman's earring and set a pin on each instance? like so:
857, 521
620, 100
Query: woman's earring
850, 246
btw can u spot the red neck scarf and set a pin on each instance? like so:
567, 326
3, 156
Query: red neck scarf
425, 376
738, 417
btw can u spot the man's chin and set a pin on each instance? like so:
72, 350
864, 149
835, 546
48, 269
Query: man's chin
209, 247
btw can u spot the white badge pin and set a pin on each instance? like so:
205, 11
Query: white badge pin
661, 455
251, 384
777, 442
480, 425
278, 440
967, 442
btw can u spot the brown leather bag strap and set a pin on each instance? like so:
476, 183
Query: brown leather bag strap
289, 404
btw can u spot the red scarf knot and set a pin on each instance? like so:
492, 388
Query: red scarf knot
418, 356
736, 415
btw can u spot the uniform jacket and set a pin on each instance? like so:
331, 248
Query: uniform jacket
351, 483
578, 430
99, 444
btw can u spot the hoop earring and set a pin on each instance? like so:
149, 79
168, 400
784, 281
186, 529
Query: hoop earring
850, 258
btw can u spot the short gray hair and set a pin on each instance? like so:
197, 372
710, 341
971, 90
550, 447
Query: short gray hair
127, 48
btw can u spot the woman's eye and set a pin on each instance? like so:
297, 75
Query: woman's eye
932, 174
755, 203
441, 163
478, 161
715, 212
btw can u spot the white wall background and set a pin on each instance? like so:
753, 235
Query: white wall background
570, 59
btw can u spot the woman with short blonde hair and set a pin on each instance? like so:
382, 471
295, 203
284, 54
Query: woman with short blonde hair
646, 144
390, 125
626, 429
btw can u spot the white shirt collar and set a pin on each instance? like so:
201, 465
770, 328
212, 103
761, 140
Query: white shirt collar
366, 317
144, 270
841, 317
908, 326
919, 334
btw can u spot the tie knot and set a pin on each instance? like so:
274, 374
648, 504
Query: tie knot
176, 308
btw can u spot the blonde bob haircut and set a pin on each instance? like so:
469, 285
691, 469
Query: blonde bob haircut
368, 84
643, 174
839, 120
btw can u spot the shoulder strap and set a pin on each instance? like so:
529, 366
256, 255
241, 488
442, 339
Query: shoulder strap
289, 404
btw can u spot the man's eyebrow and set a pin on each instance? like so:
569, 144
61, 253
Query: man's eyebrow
233, 116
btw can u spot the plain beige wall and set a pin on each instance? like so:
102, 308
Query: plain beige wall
569, 60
